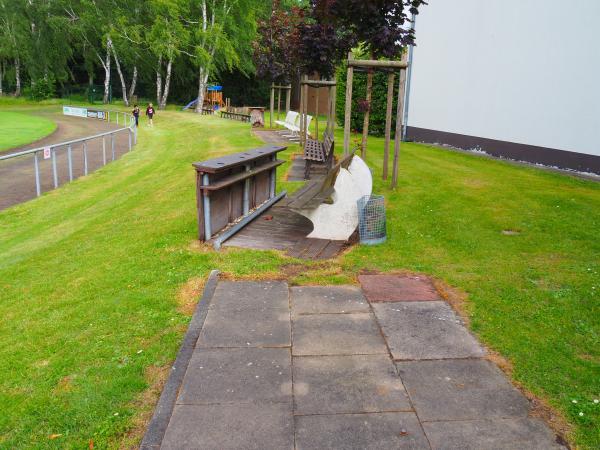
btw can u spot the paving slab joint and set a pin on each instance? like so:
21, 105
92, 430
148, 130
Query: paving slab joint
166, 403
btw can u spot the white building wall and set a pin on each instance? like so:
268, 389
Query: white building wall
524, 71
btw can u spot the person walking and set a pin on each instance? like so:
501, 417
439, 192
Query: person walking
136, 114
150, 113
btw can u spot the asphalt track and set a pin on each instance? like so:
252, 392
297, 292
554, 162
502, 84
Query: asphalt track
17, 176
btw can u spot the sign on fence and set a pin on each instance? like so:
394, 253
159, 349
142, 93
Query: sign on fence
95, 114
72, 111
47, 152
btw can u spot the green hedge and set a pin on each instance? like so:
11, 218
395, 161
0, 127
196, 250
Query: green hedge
378, 100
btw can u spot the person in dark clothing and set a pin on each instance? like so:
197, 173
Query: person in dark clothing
150, 113
136, 114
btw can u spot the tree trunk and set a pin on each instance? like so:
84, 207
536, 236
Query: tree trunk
122, 78
365, 133
133, 82
165, 96
158, 80
107, 72
18, 77
202, 80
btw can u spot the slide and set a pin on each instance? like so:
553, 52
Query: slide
190, 104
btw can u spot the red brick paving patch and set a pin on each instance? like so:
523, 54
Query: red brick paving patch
398, 288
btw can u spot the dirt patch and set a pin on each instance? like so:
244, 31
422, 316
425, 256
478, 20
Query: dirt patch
144, 404
188, 295
65, 384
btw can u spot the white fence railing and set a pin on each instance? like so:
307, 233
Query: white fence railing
80, 147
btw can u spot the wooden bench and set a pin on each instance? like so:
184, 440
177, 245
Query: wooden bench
315, 151
317, 191
235, 116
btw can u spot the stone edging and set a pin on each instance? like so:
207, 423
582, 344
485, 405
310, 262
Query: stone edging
162, 414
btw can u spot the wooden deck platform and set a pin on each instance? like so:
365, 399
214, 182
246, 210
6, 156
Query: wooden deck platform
280, 228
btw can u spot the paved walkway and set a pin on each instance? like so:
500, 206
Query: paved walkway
279, 367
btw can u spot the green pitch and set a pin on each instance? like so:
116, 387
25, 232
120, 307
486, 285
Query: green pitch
17, 129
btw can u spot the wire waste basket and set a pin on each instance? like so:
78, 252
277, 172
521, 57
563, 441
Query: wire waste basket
371, 219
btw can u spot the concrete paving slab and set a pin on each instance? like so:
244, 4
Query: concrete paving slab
328, 300
500, 434
244, 295
231, 427
360, 431
347, 384
398, 288
254, 327
425, 330
337, 334
237, 375
460, 390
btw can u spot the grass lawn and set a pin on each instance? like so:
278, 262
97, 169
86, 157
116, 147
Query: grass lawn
18, 129
98, 278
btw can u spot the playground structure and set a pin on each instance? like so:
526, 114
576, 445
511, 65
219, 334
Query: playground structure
213, 99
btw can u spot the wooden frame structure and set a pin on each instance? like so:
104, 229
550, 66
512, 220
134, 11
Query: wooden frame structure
288, 92
391, 67
331, 86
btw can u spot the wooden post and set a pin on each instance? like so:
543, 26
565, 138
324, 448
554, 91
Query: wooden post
348, 111
302, 113
365, 133
317, 112
398, 135
271, 105
305, 130
279, 103
388, 124
288, 95
333, 106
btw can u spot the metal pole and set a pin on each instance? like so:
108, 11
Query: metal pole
112, 145
37, 174
272, 179
70, 157
206, 202
103, 150
398, 135
246, 200
85, 159
129, 138
54, 173
117, 114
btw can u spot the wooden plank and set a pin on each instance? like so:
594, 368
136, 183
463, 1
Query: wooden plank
367, 63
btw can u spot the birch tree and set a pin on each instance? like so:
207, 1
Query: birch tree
223, 38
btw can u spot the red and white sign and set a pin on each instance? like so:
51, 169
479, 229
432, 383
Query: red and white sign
47, 153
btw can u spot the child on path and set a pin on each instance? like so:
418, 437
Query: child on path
136, 114
150, 113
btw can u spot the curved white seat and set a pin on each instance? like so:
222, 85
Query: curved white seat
337, 221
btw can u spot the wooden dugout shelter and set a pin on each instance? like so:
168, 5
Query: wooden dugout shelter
391, 67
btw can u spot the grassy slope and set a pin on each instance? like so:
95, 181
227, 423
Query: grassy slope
90, 275
18, 129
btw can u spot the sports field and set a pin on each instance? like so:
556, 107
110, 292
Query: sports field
99, 278
17, 129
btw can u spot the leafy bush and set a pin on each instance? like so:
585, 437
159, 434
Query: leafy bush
42, 88
359, 93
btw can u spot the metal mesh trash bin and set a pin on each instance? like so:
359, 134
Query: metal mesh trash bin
371, 219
